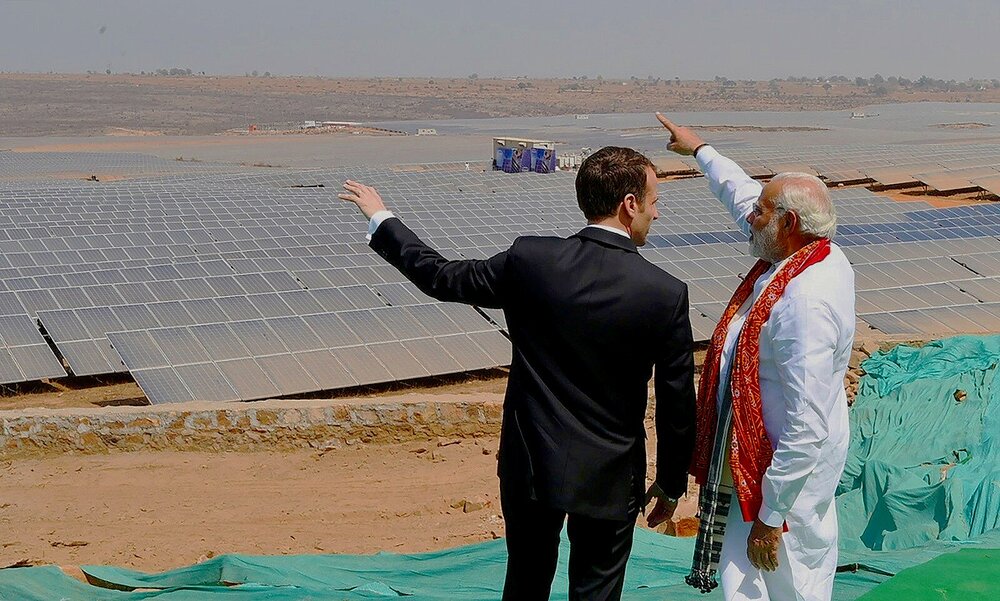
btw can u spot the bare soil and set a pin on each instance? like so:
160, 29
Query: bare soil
160, 510
140, 105
936, 201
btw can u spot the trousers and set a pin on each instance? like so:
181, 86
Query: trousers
805, 570
599, 550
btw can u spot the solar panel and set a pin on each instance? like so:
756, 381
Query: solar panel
287, 374
328, 372
363, 366
162, 385
397, 360
24, 354
214, 246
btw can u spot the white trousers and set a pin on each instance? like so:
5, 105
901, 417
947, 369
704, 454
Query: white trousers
805, 573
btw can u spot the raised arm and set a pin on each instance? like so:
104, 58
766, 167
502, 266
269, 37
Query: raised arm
727, 180
470, 282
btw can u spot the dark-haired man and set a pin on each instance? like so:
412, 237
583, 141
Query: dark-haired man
589, 319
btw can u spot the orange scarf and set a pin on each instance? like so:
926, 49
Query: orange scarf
750, 450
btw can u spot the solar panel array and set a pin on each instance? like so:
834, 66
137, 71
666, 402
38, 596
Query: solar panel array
241, 285
945, 168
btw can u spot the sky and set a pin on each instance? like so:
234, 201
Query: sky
691, 39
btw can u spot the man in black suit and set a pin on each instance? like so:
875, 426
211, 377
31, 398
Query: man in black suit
589, 319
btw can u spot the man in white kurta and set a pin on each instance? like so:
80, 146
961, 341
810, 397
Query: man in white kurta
805, 346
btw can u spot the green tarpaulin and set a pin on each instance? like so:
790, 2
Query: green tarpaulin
924, 461
950, 577
922, 482
474, 573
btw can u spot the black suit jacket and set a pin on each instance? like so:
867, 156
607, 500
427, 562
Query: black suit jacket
589, 319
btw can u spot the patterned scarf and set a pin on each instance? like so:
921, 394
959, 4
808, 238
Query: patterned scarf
750, 448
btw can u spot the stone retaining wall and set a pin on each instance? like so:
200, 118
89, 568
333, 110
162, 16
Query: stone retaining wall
277, 424
274, 425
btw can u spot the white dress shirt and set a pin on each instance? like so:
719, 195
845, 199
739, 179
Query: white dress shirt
376, 221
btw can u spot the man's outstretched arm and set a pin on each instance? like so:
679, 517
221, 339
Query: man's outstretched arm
727, 180
471, 282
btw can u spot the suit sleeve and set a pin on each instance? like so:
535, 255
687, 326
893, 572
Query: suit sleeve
471, 282
675, 402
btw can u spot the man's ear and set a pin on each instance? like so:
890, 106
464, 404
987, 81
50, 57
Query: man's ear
791, 219
630, 204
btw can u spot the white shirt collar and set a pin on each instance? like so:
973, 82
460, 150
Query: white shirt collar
610, 229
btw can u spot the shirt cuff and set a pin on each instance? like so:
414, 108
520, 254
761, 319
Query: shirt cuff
376, 221
770, 517
705, 156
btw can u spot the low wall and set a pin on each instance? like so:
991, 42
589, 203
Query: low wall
272, 424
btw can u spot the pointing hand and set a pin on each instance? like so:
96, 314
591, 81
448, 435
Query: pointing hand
683, 140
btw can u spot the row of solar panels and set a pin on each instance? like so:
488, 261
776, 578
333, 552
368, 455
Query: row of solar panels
840, 163
61, 255
945, 169
709, 280
77, 331
306, 294
245, 360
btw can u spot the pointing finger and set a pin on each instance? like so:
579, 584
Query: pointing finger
667, 123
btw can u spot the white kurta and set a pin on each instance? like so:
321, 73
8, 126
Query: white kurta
805, 347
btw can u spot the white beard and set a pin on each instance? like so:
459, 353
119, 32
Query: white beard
764, 243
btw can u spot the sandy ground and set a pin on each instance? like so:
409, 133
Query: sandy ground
159, 510
155, 511
937, 201
297, 151
89, 392
194, 105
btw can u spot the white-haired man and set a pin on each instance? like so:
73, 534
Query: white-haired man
772, 428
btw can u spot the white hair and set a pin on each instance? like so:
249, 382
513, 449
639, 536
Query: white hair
809, 198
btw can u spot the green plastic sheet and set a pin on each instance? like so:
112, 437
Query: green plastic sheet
963, 575
474, 573
924, 461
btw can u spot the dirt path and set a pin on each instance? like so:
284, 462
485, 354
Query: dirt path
161, 510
